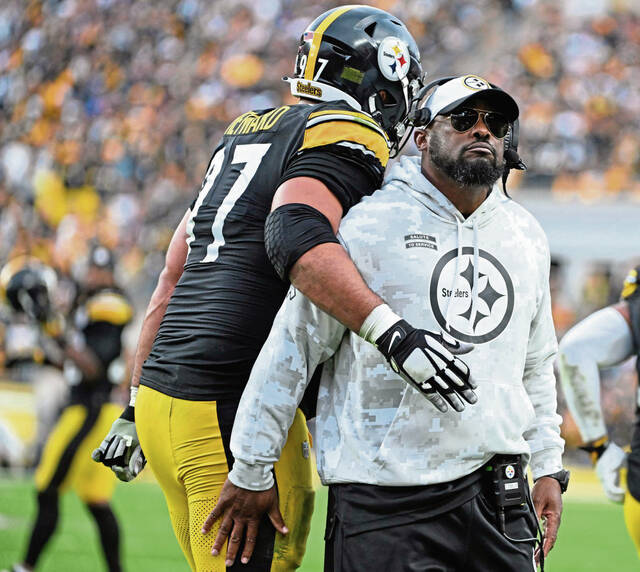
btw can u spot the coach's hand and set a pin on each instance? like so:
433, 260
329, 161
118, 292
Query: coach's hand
241, 511
120, 450
608, 467
547, 500
426, 360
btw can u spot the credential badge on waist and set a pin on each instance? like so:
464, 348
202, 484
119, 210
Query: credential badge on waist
420, 240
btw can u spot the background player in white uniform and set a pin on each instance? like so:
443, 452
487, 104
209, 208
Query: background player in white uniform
605, 338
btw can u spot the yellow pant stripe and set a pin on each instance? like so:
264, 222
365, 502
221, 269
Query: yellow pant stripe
91, 481
632, 519
294, 475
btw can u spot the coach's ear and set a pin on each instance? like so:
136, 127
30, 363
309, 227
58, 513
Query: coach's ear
420, 138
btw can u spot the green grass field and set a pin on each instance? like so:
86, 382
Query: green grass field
592, 536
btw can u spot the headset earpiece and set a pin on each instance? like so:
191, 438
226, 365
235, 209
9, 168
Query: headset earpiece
511, 158
511, 147
422, 116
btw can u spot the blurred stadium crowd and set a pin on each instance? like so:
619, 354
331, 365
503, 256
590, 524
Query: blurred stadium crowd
109, 109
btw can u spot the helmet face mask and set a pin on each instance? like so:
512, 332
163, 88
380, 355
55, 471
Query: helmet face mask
366, 57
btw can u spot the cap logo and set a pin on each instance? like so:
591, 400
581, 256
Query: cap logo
475, 82
394, 59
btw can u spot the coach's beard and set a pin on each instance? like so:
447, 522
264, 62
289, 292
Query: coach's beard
467, 172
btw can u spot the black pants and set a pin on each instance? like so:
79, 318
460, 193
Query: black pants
465, 538
633, 461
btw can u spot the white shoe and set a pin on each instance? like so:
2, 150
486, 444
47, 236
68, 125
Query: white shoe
16, 568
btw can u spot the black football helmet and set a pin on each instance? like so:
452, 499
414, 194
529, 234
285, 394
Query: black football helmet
28, 285
366, 57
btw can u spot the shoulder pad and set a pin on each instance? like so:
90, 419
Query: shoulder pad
109, 307
630, 284
354, 129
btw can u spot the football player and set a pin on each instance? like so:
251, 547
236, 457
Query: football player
277, 185
606, 338
27, 282
85, 349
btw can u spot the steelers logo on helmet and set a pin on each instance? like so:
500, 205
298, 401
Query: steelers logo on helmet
509, 472
394, 59
475, 82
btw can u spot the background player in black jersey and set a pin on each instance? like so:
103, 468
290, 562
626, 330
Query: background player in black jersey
276, 188
24, 358
606, 338
86, 348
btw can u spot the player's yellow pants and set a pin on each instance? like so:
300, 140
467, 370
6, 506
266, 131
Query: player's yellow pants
187, 446
632, 519
66, 459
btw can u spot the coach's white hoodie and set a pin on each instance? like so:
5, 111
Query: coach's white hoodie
485, 279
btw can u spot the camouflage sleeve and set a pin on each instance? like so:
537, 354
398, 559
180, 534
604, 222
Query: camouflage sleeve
301, 338
543, 436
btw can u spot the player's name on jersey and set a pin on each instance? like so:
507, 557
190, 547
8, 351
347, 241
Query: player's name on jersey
251, 122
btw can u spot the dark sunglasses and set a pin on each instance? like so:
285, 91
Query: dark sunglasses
465, 119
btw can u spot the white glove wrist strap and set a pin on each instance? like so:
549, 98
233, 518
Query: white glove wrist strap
378, 322
133, 394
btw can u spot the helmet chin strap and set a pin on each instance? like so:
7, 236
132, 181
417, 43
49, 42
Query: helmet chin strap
405, 90
406, 127
400, 128
372, 104
373, 110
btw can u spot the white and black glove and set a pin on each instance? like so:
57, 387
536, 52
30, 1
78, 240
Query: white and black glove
424, 359
120, 450
609, 460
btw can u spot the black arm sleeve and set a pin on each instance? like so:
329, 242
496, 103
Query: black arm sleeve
345, 173
290, 231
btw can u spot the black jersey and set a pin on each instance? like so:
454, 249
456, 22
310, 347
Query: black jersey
99, 319
223, 306
631, 295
